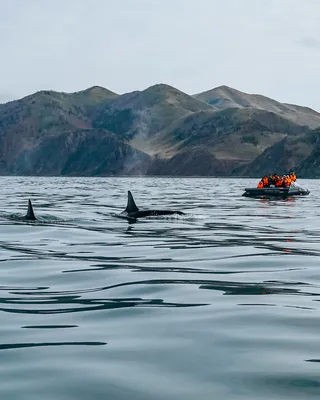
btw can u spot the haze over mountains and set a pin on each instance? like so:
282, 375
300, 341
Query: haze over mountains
157, 131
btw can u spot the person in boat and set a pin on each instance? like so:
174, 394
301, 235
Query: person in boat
292, 176
275, 179
265, 181
284, 181
260, 184
279, 182
270, 180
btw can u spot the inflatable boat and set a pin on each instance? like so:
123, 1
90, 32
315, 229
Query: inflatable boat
276, 192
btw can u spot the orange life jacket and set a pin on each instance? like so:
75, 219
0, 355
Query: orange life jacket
275, 179
286, 181
265, 181
293, 177
279, 182
260, 184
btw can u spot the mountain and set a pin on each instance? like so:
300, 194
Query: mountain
231, 133
82, 152
310, 166
192, 162
158, 131
49, 112
211, 143
42, 134
279, 158
143, 113
224, 97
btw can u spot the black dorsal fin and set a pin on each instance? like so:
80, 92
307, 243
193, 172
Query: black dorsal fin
30, 214
131, 205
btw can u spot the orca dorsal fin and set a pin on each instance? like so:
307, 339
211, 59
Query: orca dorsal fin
131, 205
30, 214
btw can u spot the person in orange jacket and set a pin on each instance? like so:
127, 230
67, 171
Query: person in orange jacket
286, 181
275, 179
279, 182
265, 181
293, 176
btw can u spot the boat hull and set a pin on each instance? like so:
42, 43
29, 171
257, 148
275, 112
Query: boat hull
276, 192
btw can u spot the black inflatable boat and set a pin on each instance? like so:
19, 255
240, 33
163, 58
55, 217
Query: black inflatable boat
273, 192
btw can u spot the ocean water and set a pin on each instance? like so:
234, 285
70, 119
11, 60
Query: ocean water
222, 303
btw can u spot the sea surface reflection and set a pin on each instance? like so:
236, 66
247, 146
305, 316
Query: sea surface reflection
220, 303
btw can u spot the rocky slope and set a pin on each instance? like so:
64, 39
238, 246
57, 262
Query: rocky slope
224, 97
25, 124
279, 158
142, 114
239, 134
81, 152
310, 165
160, 131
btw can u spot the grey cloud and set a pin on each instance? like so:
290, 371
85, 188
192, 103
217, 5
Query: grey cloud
310, 42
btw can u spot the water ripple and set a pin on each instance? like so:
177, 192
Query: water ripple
223, 302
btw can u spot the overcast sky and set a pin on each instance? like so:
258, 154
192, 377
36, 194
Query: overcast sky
271, 47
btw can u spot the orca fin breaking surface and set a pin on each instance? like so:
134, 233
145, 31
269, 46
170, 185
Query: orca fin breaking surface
131, 205
30, 214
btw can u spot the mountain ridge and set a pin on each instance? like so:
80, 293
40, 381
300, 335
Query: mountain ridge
158, 130
223, 97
